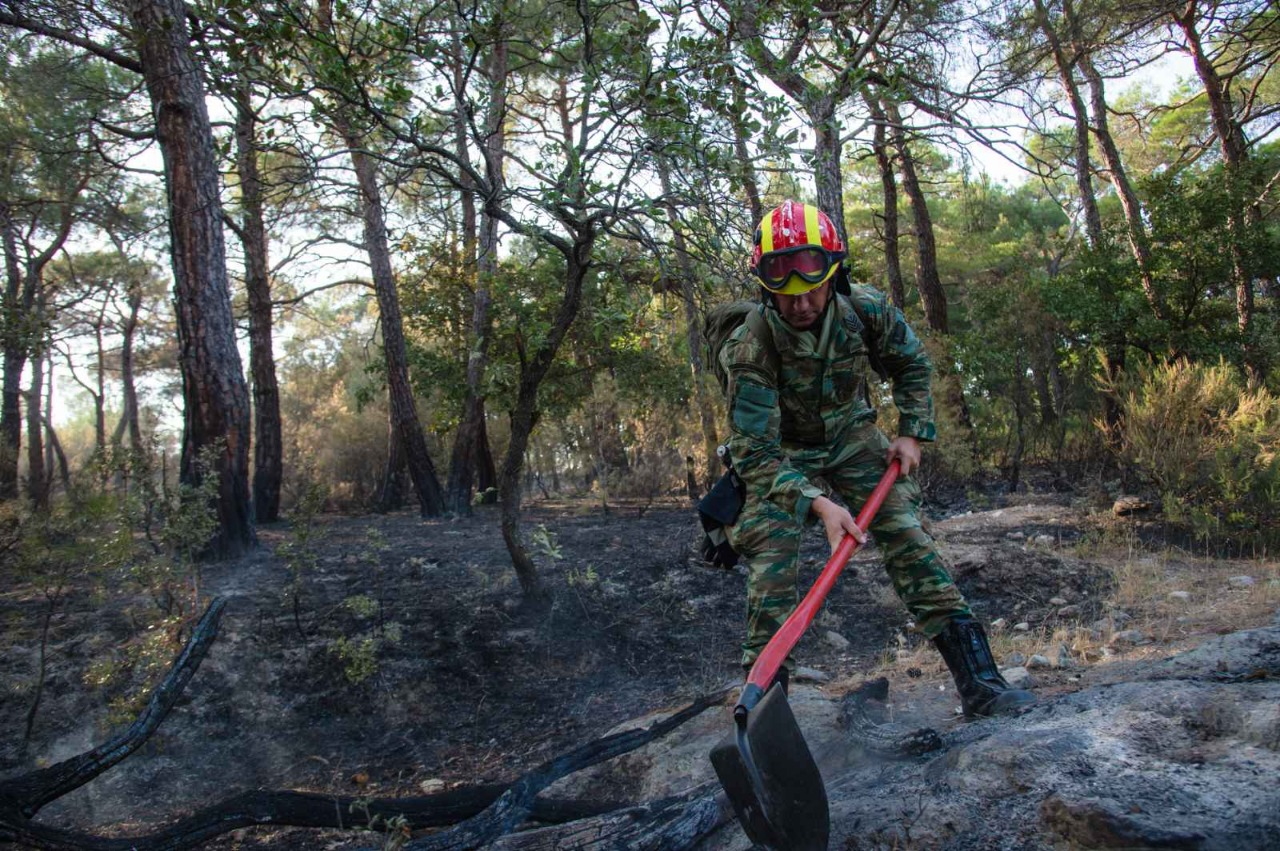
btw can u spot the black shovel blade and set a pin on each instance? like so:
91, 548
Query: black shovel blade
772, 780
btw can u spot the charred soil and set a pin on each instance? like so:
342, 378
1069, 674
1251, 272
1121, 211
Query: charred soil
402, 657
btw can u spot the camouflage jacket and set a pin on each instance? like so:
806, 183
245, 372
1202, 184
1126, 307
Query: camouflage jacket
813, 393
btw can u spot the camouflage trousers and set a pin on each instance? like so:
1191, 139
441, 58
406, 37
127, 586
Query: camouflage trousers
768, 538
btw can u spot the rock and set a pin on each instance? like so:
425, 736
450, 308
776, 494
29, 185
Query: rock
1057, 601
1015, 659
1022, 627
1018, 677
998, 624
1038, 662
836, 640
431, 786
1120, 618
1127, 505
1242, 582
1043, 540
1069, 611
811, 675
1016, 536
1064, 658
1128, 638
1179, 596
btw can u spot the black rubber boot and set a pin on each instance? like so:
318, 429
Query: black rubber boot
983, 692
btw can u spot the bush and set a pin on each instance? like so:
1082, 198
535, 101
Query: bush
1208, 446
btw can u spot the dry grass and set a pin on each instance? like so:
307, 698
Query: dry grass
1173, 599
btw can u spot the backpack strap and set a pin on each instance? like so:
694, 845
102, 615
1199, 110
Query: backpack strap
864, 330
760, 328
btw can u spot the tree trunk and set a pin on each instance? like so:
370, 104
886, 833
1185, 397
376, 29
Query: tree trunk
1135, 228
268, 441
215, 396
889, 188
129, 417
37, 482
1080, 123
486, 470
14, 359
1243, 213
462, 466
693, 328
827, 146
404, 412
928, 281
746, 171
525, 415
391, 493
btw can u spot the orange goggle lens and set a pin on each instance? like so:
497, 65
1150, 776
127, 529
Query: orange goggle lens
810, 263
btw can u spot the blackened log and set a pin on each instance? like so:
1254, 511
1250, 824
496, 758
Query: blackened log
300, 809
514, 805
29, 792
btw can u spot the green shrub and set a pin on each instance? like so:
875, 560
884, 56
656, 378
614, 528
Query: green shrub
1209, 446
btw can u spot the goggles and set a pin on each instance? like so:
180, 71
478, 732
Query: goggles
810, 263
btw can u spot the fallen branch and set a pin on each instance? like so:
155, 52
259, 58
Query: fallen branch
478, 813
515, 803
28, 793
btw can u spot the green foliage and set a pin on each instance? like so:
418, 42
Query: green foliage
545, 543
1208, 446
299, 550
369, 633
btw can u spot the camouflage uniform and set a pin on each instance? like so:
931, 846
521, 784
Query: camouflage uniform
812, 419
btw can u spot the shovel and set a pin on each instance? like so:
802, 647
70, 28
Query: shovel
765, 766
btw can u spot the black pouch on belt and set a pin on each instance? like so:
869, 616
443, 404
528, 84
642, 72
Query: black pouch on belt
717, 511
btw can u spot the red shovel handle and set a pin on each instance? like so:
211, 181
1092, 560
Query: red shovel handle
786, 638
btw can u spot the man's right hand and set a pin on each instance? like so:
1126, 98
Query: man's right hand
837, 521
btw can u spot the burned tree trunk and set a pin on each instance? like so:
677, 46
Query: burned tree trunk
268, 440
215, 396
889, 188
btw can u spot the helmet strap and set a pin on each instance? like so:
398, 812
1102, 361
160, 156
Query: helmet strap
843, 285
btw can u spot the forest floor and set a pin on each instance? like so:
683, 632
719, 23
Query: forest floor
400, 658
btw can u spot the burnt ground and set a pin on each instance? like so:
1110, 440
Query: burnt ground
411, 661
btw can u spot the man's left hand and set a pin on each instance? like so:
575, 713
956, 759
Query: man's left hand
907, 451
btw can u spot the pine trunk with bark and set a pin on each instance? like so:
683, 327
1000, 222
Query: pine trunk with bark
1243, 213
37, 478
746, 171
928, 282
1135, 227
693, 329
129, 422
1080, 125
827, 145
215, 396
889, 236
467, 442
404, 412
21, 330
268, 439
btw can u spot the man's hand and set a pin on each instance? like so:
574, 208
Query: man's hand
837, 521
907, 451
